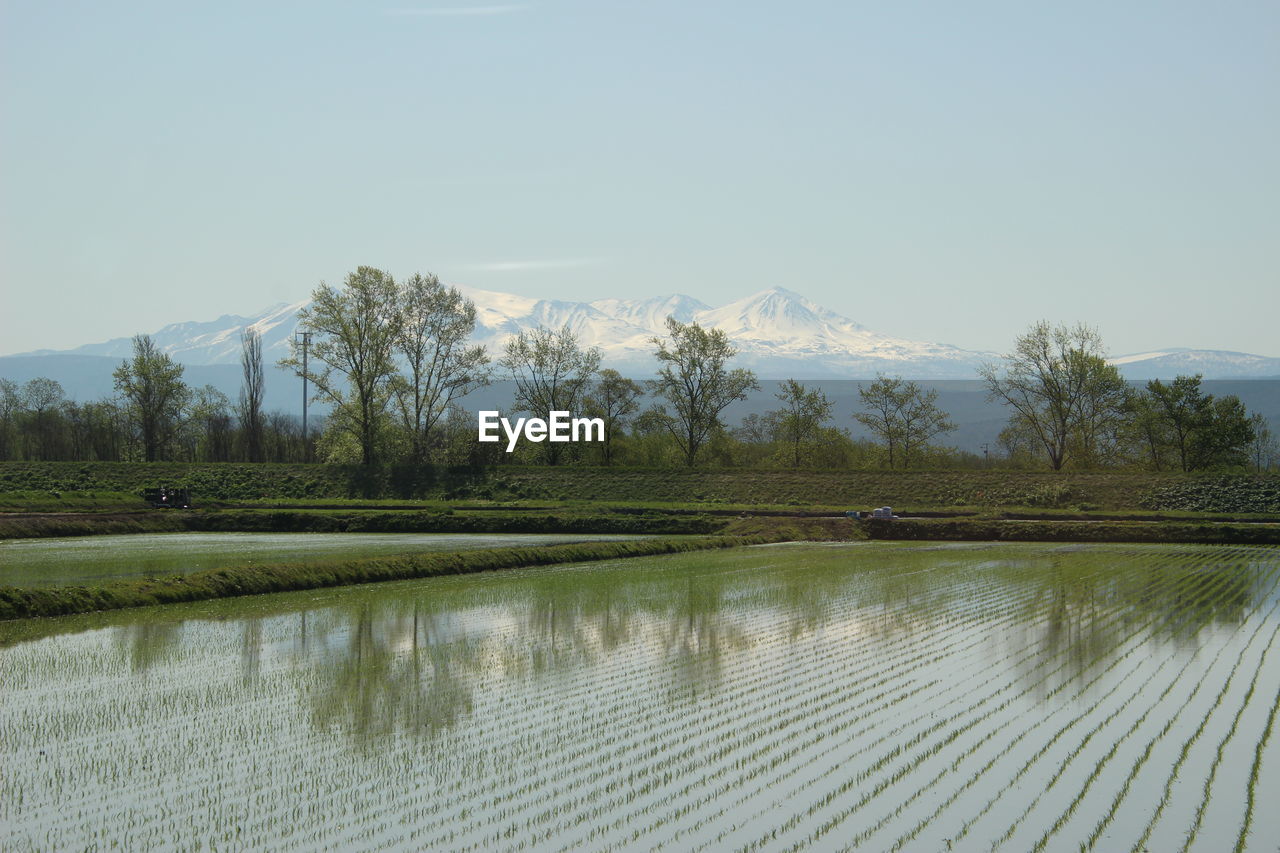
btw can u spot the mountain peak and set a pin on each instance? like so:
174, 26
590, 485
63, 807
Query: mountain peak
776, 331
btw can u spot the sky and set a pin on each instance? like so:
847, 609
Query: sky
938, 171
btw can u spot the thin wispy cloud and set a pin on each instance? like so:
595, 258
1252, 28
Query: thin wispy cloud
458, 11
532, 266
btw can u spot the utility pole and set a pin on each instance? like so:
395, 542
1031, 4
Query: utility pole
306, 343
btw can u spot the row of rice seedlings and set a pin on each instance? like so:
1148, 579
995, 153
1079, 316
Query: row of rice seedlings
969, 754
1072, 756
1076, 751
750, 760
837, 763
799, 757
1230, 733
1060, 735
748, 726
1097, 772
927, 749
975, 776
801, 721
380, 824
1259, 750
1183, 753
1106, 820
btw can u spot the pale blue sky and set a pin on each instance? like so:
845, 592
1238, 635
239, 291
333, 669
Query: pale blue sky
938, 171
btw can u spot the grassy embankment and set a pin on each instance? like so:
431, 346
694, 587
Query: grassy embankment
23, 602
85, 486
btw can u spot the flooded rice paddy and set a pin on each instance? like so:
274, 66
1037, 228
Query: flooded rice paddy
879, 696
95, 559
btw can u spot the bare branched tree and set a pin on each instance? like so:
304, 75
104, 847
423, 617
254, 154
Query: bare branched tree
551, 372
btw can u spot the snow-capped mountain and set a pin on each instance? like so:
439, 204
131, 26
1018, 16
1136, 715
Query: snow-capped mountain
211, 342
778, 334
1213, 363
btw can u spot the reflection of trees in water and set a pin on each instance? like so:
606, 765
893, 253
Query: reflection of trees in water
806, 600
560, 628
151, 642
1090, 607
411, 659
696, 635
448, 698
389, 679
1221, 593
1076, 627
412, 666
251, 650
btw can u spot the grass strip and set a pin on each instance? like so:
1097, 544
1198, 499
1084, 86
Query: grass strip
349, 521
996, 530
21, 602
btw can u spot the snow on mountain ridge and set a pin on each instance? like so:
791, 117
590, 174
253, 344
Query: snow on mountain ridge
777, 332
651, 313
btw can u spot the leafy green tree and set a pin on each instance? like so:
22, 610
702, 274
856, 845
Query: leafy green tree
208, 426
354, 332
1144, 432
903, 415
552, 373
1180, 410
1199, 431
439, 367
152, 385
798, 424
614, 399
1225, 440
1060, 387
696, 382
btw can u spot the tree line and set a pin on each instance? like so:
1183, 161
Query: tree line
1071, 408
392, 361
154, 416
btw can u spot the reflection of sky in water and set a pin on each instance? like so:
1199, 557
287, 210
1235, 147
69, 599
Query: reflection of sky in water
493, 689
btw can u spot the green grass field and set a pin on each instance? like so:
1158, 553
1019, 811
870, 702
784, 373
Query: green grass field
79, 486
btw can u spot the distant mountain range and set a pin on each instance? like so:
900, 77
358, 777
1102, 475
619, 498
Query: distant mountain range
778, 333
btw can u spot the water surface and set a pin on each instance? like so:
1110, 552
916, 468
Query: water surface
876, 695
